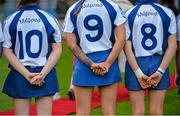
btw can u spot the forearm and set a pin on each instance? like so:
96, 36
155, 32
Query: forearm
130, 56
178, 59
117, 48
52, 60
172, 46
1, 49
81, 55
119, 44
76, 50
15, 63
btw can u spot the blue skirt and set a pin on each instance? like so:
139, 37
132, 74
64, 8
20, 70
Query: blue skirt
83, 75
148, 65
17, 86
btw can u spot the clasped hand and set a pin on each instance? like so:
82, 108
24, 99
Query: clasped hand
100, 68
36, 79
151, 81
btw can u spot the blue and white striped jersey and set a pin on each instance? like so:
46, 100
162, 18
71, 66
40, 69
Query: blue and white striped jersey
148, 27
30, 32
94, 25
1, 34
178, 28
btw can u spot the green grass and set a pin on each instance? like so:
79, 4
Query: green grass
64, 70
171, 105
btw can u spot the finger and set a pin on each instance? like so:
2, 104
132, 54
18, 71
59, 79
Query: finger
32, 80
96, 71
34, 74
100, 72
149, 79
104, 72
93, 70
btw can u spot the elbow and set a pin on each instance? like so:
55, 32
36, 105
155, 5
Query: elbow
5, 51
72, 46
59, 51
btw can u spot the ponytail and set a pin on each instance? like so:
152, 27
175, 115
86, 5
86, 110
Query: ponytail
79, 9
26, 2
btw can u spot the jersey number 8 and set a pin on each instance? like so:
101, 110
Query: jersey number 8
147, 45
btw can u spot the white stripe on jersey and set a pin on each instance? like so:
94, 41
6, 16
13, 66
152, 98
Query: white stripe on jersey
30, 33
94, 24
148, 32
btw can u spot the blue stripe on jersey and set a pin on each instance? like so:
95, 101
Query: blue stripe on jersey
49, 29
13, 29
112, 13
74, 21
166, 23
131, 18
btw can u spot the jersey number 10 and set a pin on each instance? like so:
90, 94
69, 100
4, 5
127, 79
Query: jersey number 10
28, 43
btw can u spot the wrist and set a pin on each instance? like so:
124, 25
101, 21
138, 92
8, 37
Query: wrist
160, 71
139, 73
27, 75
108, 63
42, 74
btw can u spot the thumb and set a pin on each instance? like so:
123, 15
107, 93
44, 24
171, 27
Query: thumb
149, 79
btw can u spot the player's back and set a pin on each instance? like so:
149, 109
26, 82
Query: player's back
150, 24
95, 23
30, 32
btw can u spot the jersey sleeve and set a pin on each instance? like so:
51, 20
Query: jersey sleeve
120, 18
57, 34
1, 34
7, 38
68, 25
178, 28
172, 28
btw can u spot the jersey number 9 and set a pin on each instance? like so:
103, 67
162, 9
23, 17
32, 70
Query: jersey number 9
98, 27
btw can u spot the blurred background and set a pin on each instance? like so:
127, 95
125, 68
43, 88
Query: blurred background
59, 7
64, 67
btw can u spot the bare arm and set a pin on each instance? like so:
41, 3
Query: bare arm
155, 78
172, 46
142, 78
118, 46
130, 56
76, 50
14, 61
53, 58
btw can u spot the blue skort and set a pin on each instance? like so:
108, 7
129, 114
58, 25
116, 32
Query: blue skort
83, 75
17, 86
